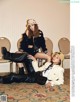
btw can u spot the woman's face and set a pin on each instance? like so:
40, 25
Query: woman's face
31, 23
55, 59
32, 27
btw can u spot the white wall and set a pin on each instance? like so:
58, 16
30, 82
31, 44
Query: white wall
51, 15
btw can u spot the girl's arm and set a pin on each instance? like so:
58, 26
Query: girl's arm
36, 68
56, 77
24, 43
42, 42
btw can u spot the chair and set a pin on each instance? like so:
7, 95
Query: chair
49, 46
18, 43
4, 42
18, 47
64, 47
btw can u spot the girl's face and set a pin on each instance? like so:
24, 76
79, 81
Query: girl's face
55, 59
32, 27
31, 23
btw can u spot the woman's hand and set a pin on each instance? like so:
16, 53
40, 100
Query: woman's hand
48, 85
30, 46
48, 53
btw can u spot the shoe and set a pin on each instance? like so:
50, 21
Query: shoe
5, 53
15, 57
21, 71
4, 50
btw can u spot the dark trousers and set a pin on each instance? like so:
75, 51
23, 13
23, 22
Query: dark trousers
28, 78
31, 77
19, 58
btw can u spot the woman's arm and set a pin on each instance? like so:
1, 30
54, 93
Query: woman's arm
42, 42
24, 43
58, 81
56, 76
42, 68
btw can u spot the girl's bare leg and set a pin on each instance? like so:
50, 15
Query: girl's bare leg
43, 56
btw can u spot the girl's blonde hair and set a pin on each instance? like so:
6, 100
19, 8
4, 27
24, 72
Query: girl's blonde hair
60, 54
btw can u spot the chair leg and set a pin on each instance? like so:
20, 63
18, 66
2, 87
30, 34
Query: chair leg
11, 66
62, 63
16, 68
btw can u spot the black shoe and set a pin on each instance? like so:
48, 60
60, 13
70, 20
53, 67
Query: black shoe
15, 57
21, 71
3, 50
5, 53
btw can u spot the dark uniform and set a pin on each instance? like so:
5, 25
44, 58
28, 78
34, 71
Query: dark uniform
37, 42
31, 77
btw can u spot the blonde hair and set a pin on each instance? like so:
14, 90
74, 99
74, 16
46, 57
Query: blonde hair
60, 54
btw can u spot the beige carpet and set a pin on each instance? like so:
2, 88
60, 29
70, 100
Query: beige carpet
26, 92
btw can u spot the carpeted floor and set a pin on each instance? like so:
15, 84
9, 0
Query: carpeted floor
26, 92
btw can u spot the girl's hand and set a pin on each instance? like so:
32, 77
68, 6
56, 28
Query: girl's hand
48, 85
48, 53
30, 46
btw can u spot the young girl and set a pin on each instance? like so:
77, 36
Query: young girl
32, 41
52, 70
50, 74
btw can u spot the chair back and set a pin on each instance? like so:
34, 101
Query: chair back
4, 42
49, 45
64, 45
18, 43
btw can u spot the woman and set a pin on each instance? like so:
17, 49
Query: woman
32, 42
50, 74
51, 70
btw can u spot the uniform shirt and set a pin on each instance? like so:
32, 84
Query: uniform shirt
55, 74
37, 43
